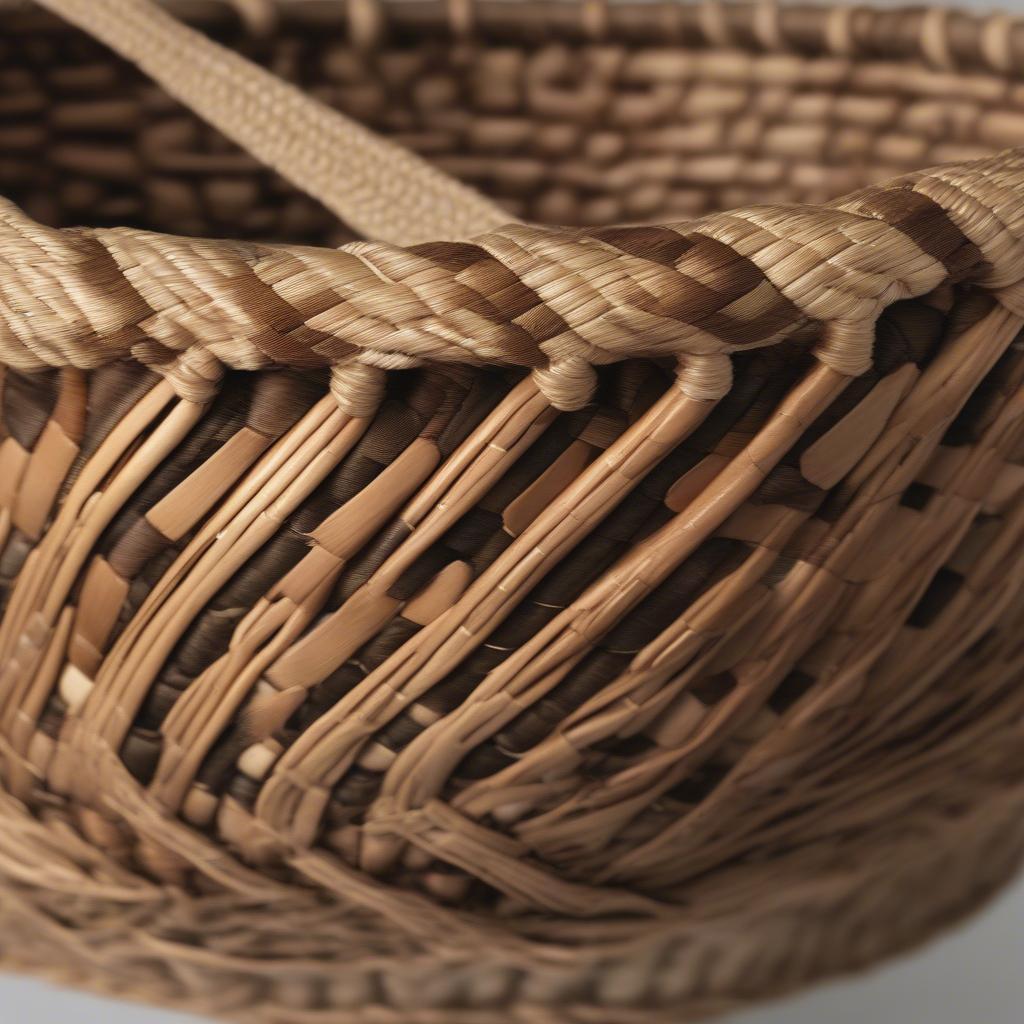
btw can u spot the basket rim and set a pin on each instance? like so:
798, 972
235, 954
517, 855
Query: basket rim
552, 300
556, 301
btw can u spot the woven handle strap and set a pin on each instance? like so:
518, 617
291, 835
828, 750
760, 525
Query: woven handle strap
380, 189
556, 301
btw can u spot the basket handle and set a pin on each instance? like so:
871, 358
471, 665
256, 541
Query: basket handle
380, 189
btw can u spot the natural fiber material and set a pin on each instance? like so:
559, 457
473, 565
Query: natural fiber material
489, 621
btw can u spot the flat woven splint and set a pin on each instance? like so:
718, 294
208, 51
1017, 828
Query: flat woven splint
575, 606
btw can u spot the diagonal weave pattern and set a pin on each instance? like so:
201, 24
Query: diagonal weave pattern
647, 643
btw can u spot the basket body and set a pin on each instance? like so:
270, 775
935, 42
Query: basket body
484, 707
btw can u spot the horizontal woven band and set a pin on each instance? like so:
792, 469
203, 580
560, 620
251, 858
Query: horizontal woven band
554, 300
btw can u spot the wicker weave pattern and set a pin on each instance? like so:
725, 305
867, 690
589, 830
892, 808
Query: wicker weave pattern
650, 643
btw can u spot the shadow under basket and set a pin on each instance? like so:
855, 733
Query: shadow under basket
492, 621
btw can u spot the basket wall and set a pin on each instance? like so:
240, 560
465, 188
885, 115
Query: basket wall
478, 709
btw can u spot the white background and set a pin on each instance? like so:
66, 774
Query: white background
974, 976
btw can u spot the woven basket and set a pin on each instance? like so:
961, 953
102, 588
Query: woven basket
647, 643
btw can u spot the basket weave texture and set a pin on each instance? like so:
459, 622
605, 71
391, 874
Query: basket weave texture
581, 606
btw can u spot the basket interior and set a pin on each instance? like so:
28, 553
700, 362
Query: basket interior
642, 120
